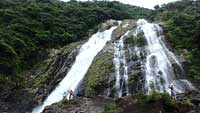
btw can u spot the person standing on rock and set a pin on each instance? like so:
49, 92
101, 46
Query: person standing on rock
171, 87
65, 95
71, 94
79, 94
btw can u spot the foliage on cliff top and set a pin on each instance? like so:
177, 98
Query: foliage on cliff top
28, 28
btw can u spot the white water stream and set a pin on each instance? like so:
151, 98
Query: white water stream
162, 67
120, 63
83, 61
161, 64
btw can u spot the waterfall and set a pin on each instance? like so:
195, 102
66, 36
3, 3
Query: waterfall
120, 64
161, 67
83, 61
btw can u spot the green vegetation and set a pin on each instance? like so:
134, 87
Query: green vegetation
29, 28
157, 101
110, 108
182, 28
140, 39
64, 103
165, 97
47, 73
130, 40
132, 81
98, 74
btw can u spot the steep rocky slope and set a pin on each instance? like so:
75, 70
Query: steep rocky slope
40, 80
137, 60
29, 29
118, 60
100, 83
100, 79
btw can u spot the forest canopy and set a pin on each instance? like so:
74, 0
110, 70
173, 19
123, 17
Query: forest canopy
182, 28
28, 28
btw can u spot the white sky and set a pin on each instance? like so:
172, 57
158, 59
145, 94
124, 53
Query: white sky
143, 3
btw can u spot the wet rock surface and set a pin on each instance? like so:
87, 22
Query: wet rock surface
191, 101
79, 105
40, 80
125, 26
56, 71
129, 104
17, 102
100, 78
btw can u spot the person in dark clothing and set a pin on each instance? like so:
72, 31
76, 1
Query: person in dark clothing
171, 87
79, 94
71, 94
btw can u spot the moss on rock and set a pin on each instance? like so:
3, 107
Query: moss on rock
133, 79
98, 74
130, 40
43, 77
141, 39
110, 108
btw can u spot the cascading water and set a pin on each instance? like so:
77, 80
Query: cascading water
120, 63
83, 61
161, 67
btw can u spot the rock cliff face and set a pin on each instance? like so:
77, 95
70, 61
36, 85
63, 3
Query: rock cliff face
119, 71
41, 80
101, 77
46, 81
116, 72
